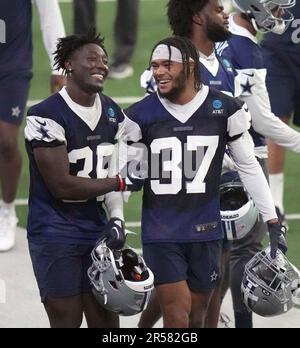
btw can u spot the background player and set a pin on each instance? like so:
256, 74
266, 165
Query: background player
245, 54
281, 57
15, 75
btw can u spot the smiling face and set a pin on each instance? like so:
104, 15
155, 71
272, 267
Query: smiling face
88, 66
170, 78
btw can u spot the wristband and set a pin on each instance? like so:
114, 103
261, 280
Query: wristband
121, 183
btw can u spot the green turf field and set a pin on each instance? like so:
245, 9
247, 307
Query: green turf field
153, 27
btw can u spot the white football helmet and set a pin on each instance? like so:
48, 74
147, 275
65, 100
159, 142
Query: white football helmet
238, 212
263, 14
270, 286
121, 281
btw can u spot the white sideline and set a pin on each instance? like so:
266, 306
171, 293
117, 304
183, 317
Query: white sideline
24, 201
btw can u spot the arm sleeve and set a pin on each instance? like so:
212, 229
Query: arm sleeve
252, 176
126, 149
114, 205
269, 125
52, 27
239, 122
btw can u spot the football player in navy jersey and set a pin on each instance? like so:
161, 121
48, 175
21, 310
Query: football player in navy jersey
281, 56
243, 51
70, 138
185, 127
15, 75
205, 22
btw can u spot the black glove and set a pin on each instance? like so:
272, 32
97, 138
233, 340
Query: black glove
132, 180
114, 233
277, 238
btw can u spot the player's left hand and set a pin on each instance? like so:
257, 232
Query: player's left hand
114, 233
277, 238
57, 82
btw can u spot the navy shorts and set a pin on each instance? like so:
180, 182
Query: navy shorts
61, 269
283, 84
197, 263
14, 88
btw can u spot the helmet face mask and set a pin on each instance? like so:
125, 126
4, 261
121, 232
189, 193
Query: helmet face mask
237, 209
266, 15
269, 287
121, 281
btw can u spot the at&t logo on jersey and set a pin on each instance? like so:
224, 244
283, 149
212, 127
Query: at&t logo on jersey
111, 115
227, 65
217, 105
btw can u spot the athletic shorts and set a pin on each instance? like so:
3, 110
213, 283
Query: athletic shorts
61, 269
14, 88
197, 263
283, 84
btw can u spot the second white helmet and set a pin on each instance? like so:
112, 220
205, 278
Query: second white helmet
238, 212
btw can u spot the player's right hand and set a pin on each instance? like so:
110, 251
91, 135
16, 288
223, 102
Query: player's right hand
277, 238
114, 234
133, 180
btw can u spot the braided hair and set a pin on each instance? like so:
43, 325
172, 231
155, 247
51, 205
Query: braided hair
188, 51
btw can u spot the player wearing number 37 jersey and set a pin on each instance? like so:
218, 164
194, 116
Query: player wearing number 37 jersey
185, 128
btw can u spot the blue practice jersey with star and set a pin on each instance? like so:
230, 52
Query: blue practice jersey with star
244, 54
53, 123
181, 195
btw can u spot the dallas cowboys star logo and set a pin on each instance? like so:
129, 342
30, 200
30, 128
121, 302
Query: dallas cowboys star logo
214, 277
43, 130
247, 87
15, 111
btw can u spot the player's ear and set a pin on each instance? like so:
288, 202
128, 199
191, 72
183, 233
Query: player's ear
197, 19
68, 66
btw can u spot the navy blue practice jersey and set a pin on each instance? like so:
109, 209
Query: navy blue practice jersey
185, 147
247, 59
15, 35
89, 145
289, 41
223, 78
218, 72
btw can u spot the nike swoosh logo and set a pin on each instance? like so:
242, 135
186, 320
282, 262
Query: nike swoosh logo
246, 109
117, 232
41, 123
250, 75
133, 176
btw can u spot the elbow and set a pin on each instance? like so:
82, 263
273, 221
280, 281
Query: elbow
61, 191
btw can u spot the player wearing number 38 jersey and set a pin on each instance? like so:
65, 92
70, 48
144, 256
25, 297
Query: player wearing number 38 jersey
70, 138
185, 127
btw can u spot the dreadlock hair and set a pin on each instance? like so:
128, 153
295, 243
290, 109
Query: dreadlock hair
188, 51
68, 45
180, 15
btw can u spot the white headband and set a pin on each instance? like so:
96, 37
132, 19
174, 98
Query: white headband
162, 52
